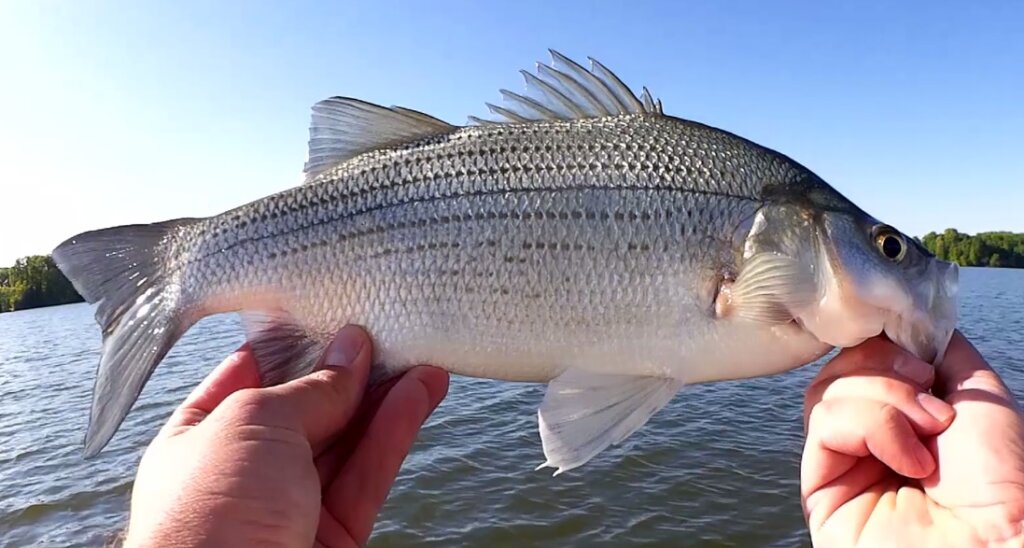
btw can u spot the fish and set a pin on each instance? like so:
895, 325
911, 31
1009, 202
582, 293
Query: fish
577, 236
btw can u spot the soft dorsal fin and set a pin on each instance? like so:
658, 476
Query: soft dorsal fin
343, 128
567, 91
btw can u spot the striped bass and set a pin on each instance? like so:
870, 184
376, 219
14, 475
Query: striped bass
582, 238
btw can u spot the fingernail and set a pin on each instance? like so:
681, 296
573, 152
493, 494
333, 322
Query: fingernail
345, 347
914, 369
935, 407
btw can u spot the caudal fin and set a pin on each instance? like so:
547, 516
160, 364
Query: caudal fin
125, 271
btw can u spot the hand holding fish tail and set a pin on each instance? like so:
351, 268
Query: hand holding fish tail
901, 453
301, 463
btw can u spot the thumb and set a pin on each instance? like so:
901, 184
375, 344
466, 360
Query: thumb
964, 370
237, 372
323, 402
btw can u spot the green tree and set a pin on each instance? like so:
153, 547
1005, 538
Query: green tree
995, 249
33, 282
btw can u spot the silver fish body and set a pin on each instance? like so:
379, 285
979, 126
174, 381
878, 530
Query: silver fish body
509, 252
616, 256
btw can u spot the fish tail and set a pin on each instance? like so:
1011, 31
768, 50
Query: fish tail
126, 270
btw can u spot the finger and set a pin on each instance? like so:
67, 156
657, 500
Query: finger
237, 372
862, 428
323, 402
981, 452
963, 368
335, 452
354, 497
927, 414
878, 355
825, 499
851, 446
874, 357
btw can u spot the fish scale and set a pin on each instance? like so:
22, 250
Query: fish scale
585, 240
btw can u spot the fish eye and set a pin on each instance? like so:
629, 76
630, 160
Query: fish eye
891, 244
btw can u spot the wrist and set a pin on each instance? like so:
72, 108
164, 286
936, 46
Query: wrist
223, 520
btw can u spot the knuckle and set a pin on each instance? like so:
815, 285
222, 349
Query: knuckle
897, 389
250, 404
820, 414
889, 418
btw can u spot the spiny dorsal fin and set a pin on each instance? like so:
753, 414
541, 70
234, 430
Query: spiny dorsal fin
343, 128
567, 91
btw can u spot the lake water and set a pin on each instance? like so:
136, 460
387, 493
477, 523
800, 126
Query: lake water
719, 465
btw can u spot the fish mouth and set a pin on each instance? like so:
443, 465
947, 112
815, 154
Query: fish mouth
927, 330
940, 350
945, 306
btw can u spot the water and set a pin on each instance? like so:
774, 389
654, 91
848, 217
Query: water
719, 465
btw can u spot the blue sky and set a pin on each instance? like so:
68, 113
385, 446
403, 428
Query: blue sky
132, 112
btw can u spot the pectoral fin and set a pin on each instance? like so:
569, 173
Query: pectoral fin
770, 288
583, 413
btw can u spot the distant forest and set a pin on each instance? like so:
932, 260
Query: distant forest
36, 281
995, 249
33, 282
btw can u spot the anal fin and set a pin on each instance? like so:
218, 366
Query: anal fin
583, 413
284, 349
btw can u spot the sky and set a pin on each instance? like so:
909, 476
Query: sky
135, 112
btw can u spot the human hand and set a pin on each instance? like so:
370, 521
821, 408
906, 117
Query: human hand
299, 464
886, 463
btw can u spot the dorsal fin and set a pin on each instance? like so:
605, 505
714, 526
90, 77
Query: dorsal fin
567, 91
343, 128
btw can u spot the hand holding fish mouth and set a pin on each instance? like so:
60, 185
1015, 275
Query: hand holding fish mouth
901, 453
302, 463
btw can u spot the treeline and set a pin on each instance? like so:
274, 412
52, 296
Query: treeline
996, 249
33, 282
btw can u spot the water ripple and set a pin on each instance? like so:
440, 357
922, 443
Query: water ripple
718, 466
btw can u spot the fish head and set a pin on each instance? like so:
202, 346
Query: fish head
888, 281
865, 277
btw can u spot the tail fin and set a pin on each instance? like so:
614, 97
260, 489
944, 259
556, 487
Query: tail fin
124, 270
